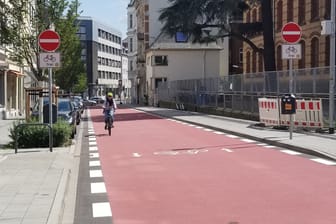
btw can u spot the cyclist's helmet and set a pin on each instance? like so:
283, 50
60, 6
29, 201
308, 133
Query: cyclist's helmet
110, 94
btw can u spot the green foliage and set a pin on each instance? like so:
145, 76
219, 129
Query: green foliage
72, 72
31, 19
35, 135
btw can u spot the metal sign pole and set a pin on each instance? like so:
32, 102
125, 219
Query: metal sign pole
291, 92
50, 110
332, 70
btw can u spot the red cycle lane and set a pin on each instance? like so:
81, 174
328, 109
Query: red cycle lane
158, 171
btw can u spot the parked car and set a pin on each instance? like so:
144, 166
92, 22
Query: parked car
87, 103
79, 103
65, 111
98, 99
78, 109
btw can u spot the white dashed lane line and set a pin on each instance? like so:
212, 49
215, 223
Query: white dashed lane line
96, 173
101, 210
324, 161
94, 163
290, 152
98, 188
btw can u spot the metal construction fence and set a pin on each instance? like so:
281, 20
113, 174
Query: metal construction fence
241, 92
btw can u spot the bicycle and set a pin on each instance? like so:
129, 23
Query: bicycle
108, 121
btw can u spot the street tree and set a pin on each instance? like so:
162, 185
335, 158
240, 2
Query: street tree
20, 24
71, 76
209, 20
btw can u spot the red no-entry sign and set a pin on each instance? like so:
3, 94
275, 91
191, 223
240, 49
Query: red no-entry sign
49, 40
291, 32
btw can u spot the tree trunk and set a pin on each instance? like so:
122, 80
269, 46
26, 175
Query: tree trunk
269, 48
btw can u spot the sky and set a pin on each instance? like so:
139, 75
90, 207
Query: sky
110, 12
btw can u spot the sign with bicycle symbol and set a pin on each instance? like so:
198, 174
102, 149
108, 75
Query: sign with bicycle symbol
50, 60
291, 51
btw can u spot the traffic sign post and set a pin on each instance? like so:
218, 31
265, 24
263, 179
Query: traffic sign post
291, 33
49, 41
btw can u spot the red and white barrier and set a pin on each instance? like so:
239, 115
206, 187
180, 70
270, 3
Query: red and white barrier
308, 114
269, 111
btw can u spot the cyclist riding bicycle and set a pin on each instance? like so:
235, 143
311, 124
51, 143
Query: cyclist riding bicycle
109, 108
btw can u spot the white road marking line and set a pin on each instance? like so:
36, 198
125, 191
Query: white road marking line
290, 152
232, 136
93, 143
207, 129
94, 155
96, 173
219, 133
262, 144
101, 210
247, 140
227, 150
136, 155
94, 163
269, 146
93, 148
98, 188
191, 125
198, 127
324, 161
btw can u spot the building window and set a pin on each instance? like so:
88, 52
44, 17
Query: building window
254, 62
130, 21
279, 59
315, 52
290, 6
327, 51
241, 55
254, 15
315, 9
302, 12
302, 61
248, 19
159, 60
131, 44
260, 62
248, 62
327, 9
279, 15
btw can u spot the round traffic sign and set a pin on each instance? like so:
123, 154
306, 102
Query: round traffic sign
49, 40
291, 32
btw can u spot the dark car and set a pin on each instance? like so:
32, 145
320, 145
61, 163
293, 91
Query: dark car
98, 99
79, 103
88, 103
78, 110
65, 111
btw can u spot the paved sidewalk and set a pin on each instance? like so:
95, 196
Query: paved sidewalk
322, 145
35, 183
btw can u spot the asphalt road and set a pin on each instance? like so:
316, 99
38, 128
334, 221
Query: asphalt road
157, 170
